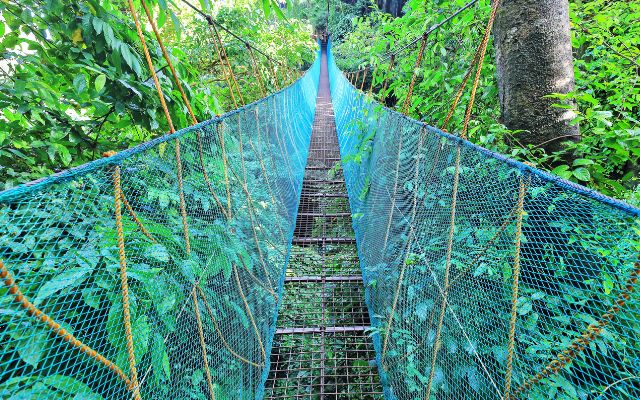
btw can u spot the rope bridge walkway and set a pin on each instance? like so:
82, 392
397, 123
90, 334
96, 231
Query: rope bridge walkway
315, 244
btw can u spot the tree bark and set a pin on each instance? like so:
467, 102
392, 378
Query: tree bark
534, 59
393, 7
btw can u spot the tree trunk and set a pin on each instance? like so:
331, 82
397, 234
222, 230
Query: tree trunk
393, 7
534, 59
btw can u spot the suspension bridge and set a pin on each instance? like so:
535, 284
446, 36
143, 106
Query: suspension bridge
316, 245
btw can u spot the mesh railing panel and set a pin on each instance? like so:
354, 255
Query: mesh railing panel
444, 228
64, 334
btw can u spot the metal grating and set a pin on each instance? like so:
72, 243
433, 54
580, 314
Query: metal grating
321, 349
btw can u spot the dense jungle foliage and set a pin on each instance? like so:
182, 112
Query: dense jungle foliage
606, 36
74, 82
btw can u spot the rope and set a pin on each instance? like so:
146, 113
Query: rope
222, 64
203, 345
386, 78
396, 295
222, 338
429, 31
147, 56
364, 78
273, 75
194, 120
590, 334
168, 117
514, 289
256, 72
135, 219
454, 201
476, 81
33, 311
249, 313
407, 100
253, 227
256, 280
225, 168
373, 76
226, 58
169, 63
124, 284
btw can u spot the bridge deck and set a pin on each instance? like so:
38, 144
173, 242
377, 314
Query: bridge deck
321, 349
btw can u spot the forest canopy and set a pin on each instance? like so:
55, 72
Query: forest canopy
74, 82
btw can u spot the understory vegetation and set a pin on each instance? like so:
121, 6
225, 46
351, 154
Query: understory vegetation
606, 36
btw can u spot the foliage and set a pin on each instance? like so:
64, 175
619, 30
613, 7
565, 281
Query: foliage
605, 38
75, 83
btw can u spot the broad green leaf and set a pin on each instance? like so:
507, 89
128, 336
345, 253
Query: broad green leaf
100, 81
32, 347
80, 83
68, 385
65, 280
157, 252
582, 174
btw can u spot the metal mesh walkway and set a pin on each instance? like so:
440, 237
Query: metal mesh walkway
321, 349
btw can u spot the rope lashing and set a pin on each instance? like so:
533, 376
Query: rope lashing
582, 342
514, 287
124, 283
35, 312
256, 71
203, 345
407, 100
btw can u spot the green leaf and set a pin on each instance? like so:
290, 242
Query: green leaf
160, 359
80, 83
32, 347
100, 81
266, 6
141, 334
157, 252
582, 161
68, 385
67, 279
582, 174
92, 297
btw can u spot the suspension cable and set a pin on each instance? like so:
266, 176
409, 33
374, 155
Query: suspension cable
212, 21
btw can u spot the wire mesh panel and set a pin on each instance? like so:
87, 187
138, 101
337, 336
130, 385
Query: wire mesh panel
486, 278
156, 272
322, 349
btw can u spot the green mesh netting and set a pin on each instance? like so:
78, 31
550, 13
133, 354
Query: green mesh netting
440, 277
59, 248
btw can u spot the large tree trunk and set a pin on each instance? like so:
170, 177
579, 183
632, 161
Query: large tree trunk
534, 59
393, 7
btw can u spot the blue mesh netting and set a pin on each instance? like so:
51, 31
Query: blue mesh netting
440, 300
59, 248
